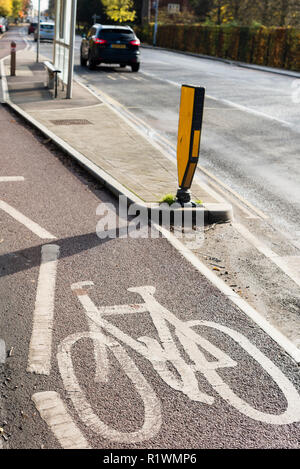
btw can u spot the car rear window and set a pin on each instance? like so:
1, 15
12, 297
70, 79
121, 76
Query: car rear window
47, 26
116, 34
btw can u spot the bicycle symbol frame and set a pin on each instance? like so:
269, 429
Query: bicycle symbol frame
107, 336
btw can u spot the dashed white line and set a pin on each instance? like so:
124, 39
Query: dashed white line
2, 352
11, 178
55, 414
31, 225
39, 360
112, 78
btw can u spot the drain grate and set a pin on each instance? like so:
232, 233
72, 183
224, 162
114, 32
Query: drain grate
71, 122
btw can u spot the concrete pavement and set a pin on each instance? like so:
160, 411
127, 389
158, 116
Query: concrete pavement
132, 164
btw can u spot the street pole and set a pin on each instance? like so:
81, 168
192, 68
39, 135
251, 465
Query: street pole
38, 33
155, 24
71, 50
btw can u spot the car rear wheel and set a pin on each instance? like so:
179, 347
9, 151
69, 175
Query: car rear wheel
135, 67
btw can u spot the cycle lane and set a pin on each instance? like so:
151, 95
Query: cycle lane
62, 200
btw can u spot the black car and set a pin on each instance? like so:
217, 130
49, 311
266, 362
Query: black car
110, 45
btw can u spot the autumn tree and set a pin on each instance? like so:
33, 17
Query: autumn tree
5, 7
120, 11
16, 7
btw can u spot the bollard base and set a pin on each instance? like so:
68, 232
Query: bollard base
183, 196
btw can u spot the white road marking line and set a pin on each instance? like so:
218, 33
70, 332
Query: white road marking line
276, 335
3, 83
280, 261
112, 78
57, 417
31, 225
39, 360
136, 78
11, 178
229, 103
233, 192
2, 361
2, 352
124, 78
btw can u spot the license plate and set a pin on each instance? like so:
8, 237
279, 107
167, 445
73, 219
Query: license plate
118, 46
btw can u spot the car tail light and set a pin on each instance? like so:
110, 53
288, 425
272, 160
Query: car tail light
135, 42
99, 41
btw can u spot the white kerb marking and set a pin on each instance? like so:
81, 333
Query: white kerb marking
55, 414
2, 351
11, 178
39, 360
31, 225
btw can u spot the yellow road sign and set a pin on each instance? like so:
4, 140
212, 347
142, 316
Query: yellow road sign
189, 133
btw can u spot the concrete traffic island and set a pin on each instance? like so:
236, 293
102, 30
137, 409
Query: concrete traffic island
102, 141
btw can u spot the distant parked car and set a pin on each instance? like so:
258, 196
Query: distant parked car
31, 27
6, 24
46, 32
110, 45
3, 27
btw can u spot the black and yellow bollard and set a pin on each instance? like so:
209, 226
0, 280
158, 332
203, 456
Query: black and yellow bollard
189, 134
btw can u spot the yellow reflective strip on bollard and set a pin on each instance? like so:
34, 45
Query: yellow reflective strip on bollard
184, 130
190, 174
196, 144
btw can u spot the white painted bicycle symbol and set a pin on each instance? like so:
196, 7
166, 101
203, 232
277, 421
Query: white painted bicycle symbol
107, 337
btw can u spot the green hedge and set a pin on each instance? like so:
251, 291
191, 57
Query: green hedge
274, 47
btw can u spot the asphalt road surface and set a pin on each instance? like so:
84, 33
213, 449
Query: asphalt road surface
120, 342
249, 157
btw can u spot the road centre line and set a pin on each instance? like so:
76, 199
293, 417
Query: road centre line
54, 412
11, 178
31, 225
276, 335
40, 347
